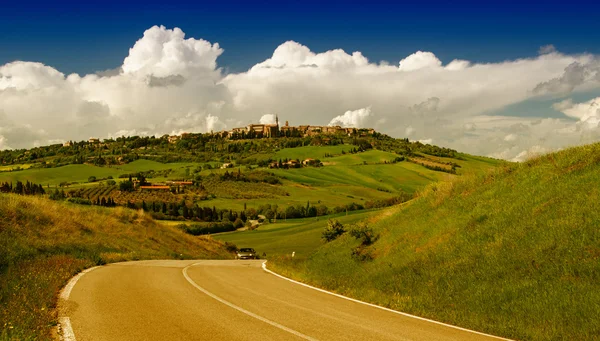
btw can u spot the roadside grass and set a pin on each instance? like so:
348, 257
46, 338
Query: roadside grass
302, 236
514, 252
43, 243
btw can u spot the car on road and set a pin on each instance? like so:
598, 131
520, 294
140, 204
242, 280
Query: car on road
246, 253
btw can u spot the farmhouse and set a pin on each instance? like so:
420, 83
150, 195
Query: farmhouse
68, 144
227, 165
308, 161
180, 183
94, 140
155, 188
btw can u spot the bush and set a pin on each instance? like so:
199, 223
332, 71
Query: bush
333, 230
231, 247
79, 201
111, 182
57, 195
363, 232
126, 186
238, 223
92, 179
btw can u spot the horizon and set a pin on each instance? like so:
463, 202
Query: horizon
485, 80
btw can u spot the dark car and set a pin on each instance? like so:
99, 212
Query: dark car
246, 253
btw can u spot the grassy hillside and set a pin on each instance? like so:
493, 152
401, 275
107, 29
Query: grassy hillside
43, 243
515, 252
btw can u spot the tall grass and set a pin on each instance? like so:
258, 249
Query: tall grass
515, 252
44, 243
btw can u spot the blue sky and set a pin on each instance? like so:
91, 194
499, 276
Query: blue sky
88, 36
464, 75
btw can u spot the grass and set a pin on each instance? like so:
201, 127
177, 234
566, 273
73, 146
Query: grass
514, 252
43, 243
81, 173
302, 236
315, 152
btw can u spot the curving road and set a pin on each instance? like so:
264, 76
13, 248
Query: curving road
225, 300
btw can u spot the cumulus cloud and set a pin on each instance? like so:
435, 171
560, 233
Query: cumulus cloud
575, 74
419, 60
170, 83
163, 53
352, 118
546, 49
267, 119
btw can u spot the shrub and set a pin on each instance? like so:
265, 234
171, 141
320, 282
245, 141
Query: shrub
333, 230
57, 195
238, 223
363, 232
231, 247
79, 201
111, 182
92, 179
126, 186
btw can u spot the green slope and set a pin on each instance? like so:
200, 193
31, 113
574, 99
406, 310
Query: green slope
514, 253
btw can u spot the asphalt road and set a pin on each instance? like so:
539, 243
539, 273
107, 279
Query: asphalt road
226, 300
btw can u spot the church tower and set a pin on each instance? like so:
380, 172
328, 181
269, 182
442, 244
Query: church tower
277, 119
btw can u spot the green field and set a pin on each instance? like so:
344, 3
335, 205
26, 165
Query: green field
302, 236
514, 252
315, 152
81, 173
345, 178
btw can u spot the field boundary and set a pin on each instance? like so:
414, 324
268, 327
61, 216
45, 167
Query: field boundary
264, 266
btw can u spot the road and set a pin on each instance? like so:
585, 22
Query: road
226, 300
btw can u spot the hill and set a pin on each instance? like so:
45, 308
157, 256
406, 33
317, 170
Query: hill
514, 252
43, 243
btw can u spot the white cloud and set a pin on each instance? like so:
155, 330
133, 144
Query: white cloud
419, 60
267, 119
546, 49
169, 84
162, 52
352, 119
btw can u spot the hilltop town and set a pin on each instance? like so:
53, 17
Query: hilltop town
274, 130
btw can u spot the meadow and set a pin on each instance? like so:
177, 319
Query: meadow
280, 239
513, 252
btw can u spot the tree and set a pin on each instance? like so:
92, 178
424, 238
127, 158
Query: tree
333, 230
126, 186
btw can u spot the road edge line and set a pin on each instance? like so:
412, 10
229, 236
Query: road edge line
264, 266
64, 322
66, 291
240, 309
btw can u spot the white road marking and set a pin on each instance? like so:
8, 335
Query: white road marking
66, 329
66, 291
64, 322
227, 303
264, 266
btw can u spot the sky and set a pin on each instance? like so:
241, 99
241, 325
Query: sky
500, 79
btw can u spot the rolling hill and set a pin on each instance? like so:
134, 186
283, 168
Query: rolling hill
514, 252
